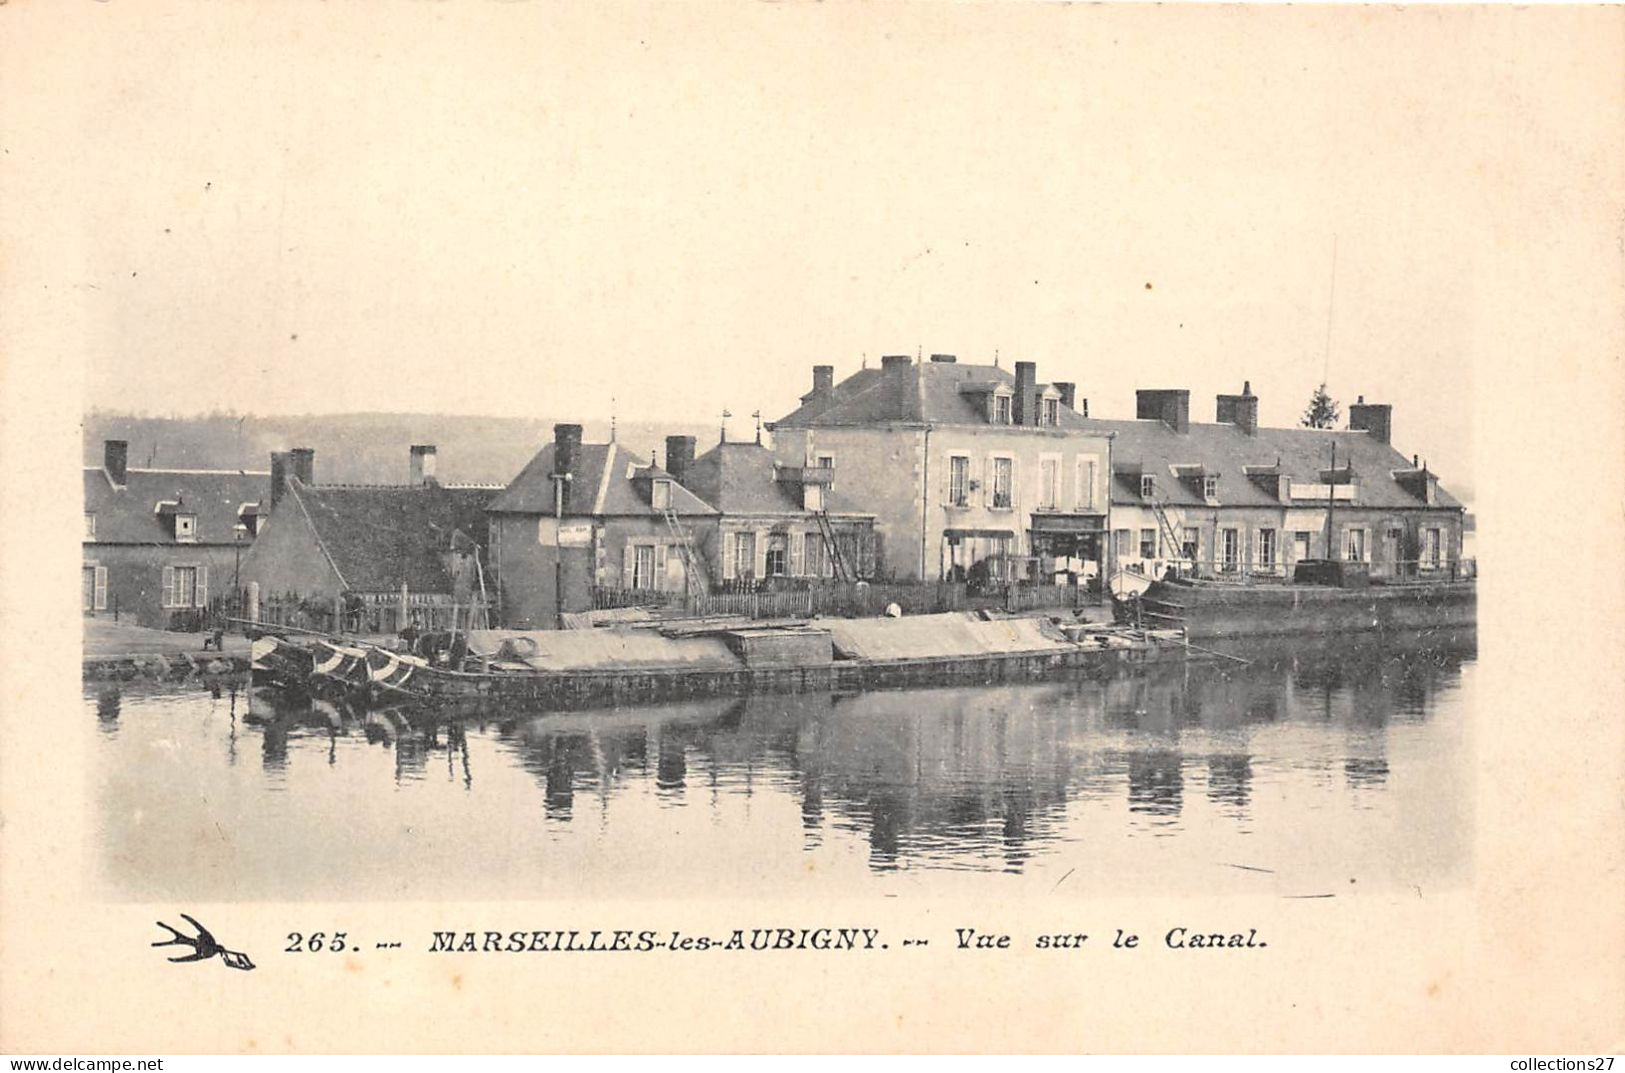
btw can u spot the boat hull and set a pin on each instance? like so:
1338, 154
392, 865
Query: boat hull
388, 678
1210, 610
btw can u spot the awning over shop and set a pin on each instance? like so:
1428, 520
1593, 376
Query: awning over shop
1069, 523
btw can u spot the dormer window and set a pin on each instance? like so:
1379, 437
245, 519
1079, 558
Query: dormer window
1052, 411
812, 496
660, 495
1001, 409
1210, 487
90, 526
186, 527
1148, 486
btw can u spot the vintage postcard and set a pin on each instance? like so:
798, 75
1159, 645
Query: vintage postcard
811, 527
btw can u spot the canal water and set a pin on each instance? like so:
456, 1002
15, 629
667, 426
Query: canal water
1316, 769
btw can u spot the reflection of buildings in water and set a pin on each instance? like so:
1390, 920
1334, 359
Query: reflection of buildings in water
107, 709
1365, 771
983, 773
1230, 779
1156, 782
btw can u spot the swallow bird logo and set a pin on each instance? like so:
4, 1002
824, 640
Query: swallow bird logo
204, 946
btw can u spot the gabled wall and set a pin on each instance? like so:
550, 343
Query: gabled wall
287, 558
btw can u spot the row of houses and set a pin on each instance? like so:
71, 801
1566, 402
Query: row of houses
913, 471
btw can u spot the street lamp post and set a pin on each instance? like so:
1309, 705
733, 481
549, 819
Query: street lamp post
237, 533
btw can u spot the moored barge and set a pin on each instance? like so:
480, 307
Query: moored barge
1324, 596
570, 668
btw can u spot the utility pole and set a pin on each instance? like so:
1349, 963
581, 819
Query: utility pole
1331, 504
558, 548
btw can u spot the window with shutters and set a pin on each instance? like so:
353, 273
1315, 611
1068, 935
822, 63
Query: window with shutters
1122, 542
959, 481
1088, 472
94, 594
1229, 550
185, 586
643, 566
796, 543
778, 555
1266, 549
1049, 483
812, 556
1191, 546
1433, 546
1354, 545
744, 559
1003, 483
1148, 543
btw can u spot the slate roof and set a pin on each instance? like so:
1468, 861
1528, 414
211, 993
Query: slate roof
929, 392
129, 515
381, 536
608, 482
1225, 449
739, 478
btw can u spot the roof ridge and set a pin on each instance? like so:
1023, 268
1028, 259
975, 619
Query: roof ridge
294, 485
604, 478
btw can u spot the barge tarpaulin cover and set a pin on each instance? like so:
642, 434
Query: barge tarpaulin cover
935, 636
602, 650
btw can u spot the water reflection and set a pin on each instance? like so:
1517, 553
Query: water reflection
985, 779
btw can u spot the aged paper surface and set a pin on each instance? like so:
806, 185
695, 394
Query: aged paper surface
1521, 949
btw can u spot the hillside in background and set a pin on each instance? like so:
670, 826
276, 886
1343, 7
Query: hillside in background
358, 448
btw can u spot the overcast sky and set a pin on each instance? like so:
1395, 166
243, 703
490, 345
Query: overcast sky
535, 209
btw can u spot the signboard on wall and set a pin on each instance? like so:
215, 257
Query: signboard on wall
575, 535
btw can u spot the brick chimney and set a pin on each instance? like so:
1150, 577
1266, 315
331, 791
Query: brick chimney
116, 461
1171, 406
1069, 393
1024, 410
1375, 418
422, 465
896, 361
279, 476
1240, 410
302, 464
566, 455
680, 455
823, 382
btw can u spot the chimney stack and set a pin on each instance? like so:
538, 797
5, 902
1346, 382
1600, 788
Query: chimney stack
1171, 406
1375, 418
116, 461
1069, 393
279, 476
823, 381
1025, 410
566, 456
895, 361
680, 455
943, 359
1240, 410
302, 464
422, 465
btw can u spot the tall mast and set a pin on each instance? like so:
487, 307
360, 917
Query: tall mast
1331, 504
